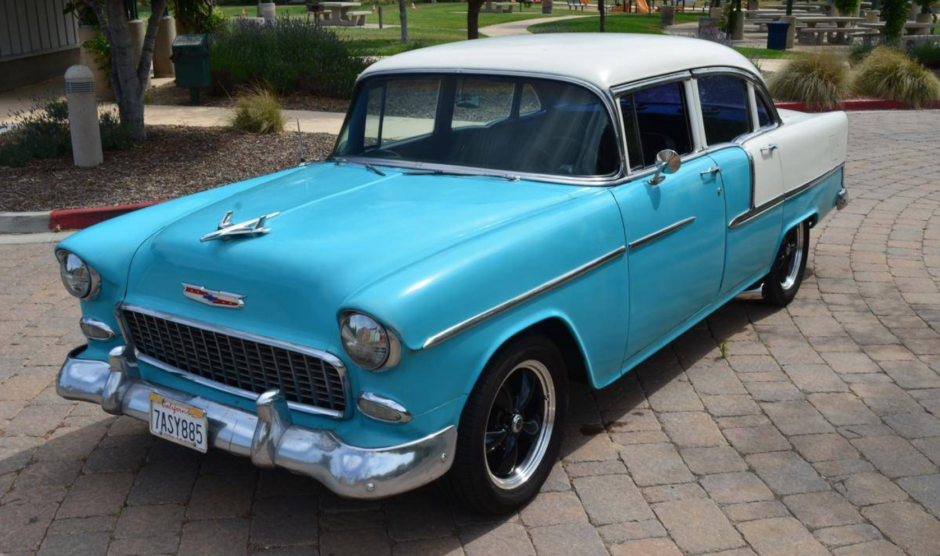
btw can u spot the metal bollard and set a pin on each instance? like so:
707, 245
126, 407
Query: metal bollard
83, 117
380, 17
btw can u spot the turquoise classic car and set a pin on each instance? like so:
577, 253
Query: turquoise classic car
498, 218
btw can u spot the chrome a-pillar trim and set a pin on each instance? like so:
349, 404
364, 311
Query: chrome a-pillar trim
661, 233
522, 298
347, 470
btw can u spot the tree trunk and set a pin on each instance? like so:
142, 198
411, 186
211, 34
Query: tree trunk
403, 16
600, 7
127, 78
473, 18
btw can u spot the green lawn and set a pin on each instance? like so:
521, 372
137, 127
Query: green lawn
616, 23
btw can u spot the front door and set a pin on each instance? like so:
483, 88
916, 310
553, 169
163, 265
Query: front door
675, 229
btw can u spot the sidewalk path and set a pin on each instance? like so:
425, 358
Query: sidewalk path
214, 116
522, 27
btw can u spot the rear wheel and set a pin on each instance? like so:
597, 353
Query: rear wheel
510, 430
786, 275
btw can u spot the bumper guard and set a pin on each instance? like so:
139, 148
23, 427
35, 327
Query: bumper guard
269, 437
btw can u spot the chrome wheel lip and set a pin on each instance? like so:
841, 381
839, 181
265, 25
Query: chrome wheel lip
794, 259
527, 467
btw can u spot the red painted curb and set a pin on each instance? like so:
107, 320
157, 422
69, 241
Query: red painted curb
79, 219
857, 105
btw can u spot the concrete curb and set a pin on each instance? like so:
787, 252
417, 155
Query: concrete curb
67, 219
856, 105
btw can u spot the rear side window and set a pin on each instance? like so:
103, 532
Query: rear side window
655, 119
764, 117
724, 108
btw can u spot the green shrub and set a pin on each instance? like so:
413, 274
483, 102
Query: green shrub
818, 80
100, 48
291, 56
927, 54
258, 111
43, 132
858, 52
891, 74
846, 7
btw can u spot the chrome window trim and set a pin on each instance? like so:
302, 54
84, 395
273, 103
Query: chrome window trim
604, 96
753, 213
556, 282
336, 362
619, 90
661, 233
759, 86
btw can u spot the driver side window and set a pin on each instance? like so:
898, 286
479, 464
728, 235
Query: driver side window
655, 119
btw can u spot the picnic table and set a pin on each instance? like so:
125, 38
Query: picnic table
918, 27
796, 7
841, 23
340, 16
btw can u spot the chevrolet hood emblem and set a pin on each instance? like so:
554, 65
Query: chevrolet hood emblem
250, 228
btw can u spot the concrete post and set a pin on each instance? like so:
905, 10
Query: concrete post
163, 48
83, 117
138, 31
268, 11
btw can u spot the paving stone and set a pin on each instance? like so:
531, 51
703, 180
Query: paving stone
842, 409
577, 447
164, 483
220, 496
690, 430
930, 447
49, 473
865, 489
698, 526
641, 437
736, 488
655, 464
885, 399
721, 459
911, 374
554, 508
37, 420
566, 539
611, 499
925, 489
773, 391
908, 526
623, 532
222, 537
853, 362
845, 535
502, 540
668, 493
894, 456
447, 546
557, 480
69, 526
86, 544
786, 473
675, 396
823, 447
822, 509
796, 418
163, 544
24, 523
148, 521
594, 468
287, 521
730, 405
646, 547
755, 510
914, 425
815, 378
755, 440
96, 495
782, 536
874, 548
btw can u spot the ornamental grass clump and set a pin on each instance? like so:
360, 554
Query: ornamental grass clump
893, 75
818, 80
258, 111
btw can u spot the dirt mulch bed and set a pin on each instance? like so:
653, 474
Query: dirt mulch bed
173, 162
171, 95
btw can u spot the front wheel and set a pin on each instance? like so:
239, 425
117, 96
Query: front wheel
510, 430
786, 275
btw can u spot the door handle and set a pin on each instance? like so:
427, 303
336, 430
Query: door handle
711, 171
769, 148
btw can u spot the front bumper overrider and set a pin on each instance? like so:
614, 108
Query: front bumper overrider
269, 437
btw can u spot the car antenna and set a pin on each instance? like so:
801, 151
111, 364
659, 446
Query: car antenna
300, 144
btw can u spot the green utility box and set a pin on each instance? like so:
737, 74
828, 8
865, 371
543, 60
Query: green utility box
191, 62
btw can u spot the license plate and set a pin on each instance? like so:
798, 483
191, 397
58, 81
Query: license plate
179, 422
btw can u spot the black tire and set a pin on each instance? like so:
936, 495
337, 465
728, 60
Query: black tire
786, 275
471, 479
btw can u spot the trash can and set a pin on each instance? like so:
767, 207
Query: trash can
191, 62
777, 35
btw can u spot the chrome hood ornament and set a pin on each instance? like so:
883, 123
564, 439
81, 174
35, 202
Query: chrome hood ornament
250, 228
214, 298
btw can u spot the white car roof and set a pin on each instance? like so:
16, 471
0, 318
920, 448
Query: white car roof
602, 59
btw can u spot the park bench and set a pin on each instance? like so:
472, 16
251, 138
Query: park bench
865, 34
813, 35
577, 5
503, 7
359, 18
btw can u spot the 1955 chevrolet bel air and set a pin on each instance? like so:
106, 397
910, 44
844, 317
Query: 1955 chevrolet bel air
498, 218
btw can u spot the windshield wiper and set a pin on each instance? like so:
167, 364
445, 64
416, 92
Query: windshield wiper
468, 174
367, 166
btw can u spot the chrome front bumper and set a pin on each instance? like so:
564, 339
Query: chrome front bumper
269, 437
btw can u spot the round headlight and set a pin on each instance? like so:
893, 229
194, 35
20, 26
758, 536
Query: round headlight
366, 341
79, 279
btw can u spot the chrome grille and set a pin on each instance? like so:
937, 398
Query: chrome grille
238, 361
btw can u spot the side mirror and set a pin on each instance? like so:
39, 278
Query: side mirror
667, 162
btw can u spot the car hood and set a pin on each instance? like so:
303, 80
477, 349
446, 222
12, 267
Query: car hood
340, 229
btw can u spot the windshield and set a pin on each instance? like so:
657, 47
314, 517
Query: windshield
512, 124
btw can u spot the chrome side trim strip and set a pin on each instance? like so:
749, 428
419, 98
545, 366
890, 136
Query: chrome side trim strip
522, 298
664, 232
302, 408
753, 213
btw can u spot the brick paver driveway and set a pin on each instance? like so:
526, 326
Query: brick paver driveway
802, 431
